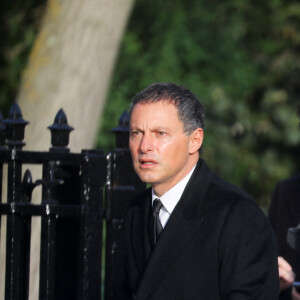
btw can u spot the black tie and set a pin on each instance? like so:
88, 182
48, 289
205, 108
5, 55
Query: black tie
157, 225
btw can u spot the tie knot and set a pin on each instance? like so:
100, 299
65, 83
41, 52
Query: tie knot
156, 206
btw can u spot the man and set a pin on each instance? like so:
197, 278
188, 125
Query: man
284, 212
215, 243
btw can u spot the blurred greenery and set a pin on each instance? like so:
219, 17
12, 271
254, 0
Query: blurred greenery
19, 24
241, 58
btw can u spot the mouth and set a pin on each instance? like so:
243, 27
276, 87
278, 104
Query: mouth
144, 163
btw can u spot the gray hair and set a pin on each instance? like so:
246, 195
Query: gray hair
190, 110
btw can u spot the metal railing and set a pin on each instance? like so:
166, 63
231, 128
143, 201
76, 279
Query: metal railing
80, 193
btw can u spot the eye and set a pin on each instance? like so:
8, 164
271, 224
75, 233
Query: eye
134, 133
160, 133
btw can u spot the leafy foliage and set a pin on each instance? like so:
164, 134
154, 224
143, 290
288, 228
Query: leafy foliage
242, 60
19, 22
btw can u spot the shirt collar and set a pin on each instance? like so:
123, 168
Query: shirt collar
172, 196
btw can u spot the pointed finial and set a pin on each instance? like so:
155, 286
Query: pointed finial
122, 131
15, 127
60, 131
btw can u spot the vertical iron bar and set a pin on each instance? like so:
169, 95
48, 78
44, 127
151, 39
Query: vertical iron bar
26, 191
67, 231
14, 275
48, 234
26, 257
14, 237
122, 183
93, 180
47, 260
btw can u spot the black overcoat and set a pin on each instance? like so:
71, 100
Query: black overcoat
217, 244
284, 212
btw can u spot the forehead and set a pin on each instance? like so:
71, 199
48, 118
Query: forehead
162, 111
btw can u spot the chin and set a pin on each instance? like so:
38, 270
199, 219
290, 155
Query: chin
147, 179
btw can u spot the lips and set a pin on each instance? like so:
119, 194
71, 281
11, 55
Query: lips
147, 162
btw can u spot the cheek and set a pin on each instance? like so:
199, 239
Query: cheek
173, 149
132, 147
177, 155
169, 153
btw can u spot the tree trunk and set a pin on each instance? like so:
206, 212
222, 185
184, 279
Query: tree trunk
70, 67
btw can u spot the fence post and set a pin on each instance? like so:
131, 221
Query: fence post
122, 182
90, 260
16, 287
59, 232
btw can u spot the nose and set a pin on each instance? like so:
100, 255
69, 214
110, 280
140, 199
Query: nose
146, 144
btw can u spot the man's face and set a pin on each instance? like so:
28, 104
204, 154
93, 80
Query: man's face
162, 153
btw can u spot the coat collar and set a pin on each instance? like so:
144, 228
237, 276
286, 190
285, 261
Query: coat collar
184, 222
140, 239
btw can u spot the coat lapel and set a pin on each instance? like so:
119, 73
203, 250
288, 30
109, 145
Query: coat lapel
180, 229
140, 239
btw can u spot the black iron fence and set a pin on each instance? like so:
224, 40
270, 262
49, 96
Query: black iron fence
80, 192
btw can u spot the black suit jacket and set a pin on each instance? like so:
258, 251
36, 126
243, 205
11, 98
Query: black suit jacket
217, 244
284, 212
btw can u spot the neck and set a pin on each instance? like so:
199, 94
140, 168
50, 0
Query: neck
161, 188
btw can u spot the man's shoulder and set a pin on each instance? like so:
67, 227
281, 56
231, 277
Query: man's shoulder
225, 198
288, 182
225, 188
228, 199
221, 196
219, 191
215, 183
287, 190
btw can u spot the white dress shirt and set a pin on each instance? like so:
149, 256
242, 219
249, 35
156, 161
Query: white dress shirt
171, 198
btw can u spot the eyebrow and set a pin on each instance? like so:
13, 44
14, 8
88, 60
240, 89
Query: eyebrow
160, 129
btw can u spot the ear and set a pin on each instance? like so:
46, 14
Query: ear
196, 139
